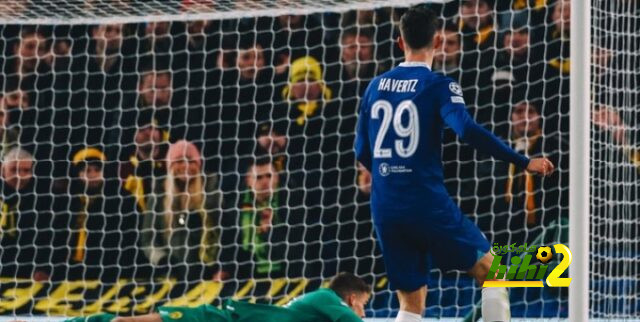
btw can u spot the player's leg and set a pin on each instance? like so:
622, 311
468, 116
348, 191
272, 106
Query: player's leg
412, 304
462, 237
405, 260
495, 300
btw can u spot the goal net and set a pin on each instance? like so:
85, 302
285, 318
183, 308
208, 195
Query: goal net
187, 152
615, 257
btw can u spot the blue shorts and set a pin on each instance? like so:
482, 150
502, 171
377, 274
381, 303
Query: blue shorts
411, 244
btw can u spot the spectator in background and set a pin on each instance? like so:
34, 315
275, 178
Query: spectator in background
320, 150
104, 222
384, 32
30, 53
306, 95
477, 24
518, 68
42, 76
246, 77
155, 92
295, 36
198, 35
146, 168
43, 80
195, 74
362, 18
195, 46
24, 219
154, 105
107, 42
514, 54
520, 12
9, 132
479, 42
272, 141
158, 102
357, 64
103, 83
307, 107
556, 77
61, 48
616, 136
247, 99
181, 233
257, 244
29, 74
349, 80
526, 196
610, 124
357, 248
519, 61
187, 50
157, 38
447, 60
15, 98
358, 55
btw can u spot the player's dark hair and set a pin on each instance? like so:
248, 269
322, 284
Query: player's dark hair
418, 26
345, 284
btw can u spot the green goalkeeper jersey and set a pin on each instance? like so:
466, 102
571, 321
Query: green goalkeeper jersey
233, 312
325, 305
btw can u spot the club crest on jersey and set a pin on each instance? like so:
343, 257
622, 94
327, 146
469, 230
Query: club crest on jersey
384, 169
175, 315
455, 88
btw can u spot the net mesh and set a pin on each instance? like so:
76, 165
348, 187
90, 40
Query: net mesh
123, 11
187, 152
614, 222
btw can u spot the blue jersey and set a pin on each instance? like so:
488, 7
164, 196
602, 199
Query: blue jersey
399, 140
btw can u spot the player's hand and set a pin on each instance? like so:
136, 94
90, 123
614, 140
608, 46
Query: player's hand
540, 166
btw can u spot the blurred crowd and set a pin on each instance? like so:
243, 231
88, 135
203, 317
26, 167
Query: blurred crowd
223, 149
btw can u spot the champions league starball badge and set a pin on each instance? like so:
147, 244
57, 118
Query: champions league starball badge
455, 88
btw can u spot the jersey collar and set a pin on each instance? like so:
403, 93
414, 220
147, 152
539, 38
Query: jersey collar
414, 64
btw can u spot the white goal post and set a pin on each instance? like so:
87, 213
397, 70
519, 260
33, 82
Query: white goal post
580, 159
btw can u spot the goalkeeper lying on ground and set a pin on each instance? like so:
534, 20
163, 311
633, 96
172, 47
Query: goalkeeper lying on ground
343, 301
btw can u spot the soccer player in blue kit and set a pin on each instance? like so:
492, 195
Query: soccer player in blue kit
398, 140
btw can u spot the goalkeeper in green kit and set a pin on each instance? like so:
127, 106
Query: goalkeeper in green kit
343, 301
